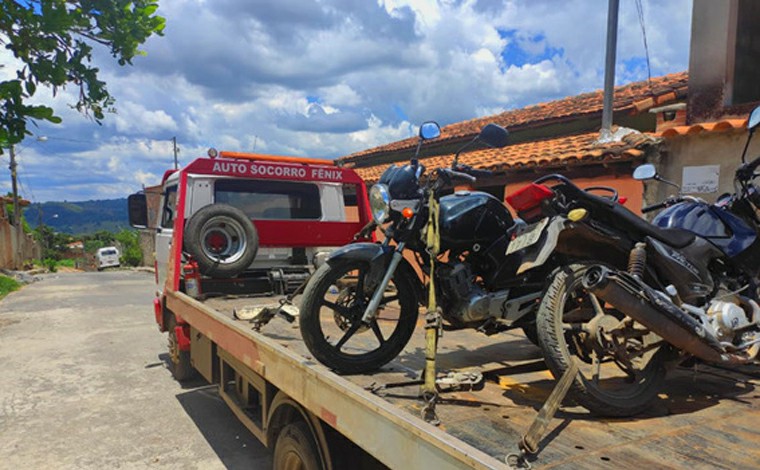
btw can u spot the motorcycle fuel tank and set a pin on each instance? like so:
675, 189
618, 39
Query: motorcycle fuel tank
736, 238
472, 217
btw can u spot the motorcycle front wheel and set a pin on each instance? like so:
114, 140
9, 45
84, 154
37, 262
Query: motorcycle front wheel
621, 364
330, 318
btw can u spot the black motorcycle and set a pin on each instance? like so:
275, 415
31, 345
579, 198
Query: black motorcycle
359, 310
632, 296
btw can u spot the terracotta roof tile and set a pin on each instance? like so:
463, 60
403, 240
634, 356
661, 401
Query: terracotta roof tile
561, 151
636, 97
704, 127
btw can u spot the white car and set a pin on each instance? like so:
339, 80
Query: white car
107, 257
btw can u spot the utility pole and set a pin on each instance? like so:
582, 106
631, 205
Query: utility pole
16, 209
14, 186
609, 70
176, 151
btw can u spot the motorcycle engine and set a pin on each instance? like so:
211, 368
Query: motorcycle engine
727, 317
460, 293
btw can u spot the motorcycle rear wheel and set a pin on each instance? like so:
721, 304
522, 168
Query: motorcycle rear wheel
608, 383
330, 318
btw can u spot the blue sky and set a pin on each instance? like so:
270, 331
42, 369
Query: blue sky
327, 78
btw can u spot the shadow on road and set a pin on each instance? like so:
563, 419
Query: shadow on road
236, 447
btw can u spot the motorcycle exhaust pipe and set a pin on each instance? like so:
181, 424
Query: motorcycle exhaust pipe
658, 314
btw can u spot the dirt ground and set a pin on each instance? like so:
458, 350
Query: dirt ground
85, 384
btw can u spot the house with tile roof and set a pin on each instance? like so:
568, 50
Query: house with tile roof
681, 122
558, 136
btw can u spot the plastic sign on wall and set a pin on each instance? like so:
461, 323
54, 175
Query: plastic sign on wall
701, 179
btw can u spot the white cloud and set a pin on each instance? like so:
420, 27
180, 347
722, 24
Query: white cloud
330, 77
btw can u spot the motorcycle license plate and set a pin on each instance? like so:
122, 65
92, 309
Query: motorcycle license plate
529, 237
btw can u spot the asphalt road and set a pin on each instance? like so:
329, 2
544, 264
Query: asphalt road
84, 384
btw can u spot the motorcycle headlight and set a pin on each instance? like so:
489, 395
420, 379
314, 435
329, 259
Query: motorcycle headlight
379, 202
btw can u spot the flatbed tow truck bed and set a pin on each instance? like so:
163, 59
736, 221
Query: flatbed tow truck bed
707, 417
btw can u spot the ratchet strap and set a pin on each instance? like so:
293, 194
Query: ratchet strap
529, 444
432, 318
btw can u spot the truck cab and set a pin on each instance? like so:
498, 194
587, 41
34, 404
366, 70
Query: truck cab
218, 210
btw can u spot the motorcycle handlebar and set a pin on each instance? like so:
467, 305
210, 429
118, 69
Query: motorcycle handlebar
661, 205
467, 169
451, 174
746, 172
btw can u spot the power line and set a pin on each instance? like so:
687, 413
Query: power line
640, 11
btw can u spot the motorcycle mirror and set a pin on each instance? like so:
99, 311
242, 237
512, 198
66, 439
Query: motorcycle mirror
754, 119
494, 135
430, 130
645, 172
752, 123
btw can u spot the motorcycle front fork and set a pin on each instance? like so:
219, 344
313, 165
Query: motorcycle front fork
377, 297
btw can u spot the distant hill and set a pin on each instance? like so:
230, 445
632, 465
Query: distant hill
83, 217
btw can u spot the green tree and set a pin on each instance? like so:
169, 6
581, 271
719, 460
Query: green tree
54, 39
96, 240
131, 254
54, 244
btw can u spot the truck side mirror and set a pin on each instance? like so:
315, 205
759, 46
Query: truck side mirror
138, 210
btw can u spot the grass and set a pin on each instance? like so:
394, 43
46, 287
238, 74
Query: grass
66, 262
7, 285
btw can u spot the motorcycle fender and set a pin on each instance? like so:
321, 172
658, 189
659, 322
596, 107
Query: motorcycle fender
537, 257
378, 256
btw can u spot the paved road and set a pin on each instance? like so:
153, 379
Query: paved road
84, 384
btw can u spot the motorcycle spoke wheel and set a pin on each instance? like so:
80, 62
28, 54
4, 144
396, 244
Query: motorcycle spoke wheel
620, 366
331, 318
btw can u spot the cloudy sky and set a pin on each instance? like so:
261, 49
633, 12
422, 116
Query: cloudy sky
325, 78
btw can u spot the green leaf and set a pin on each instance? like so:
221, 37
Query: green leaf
52, 41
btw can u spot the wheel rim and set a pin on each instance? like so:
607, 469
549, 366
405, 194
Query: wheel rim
223, 240
292, 460
342, 307
615, 355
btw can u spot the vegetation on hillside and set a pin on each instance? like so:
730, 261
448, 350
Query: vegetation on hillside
57, 250
85, 217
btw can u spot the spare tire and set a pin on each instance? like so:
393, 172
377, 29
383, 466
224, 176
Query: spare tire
222, 239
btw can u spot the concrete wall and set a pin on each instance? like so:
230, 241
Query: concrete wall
15, 251
715, 148
713, 38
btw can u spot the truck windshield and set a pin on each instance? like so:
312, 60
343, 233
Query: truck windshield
270, 199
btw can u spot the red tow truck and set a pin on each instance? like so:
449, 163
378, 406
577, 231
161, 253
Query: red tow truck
293, 210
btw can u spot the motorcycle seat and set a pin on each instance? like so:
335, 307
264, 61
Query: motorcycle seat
675, 237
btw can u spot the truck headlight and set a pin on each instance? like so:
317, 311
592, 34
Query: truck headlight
379, 202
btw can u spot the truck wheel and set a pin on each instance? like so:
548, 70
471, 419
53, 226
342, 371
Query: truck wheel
181, 368
222, 239
296, 449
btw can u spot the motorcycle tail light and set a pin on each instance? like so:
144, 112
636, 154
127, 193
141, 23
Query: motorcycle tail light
622, 199
408, 213
529, 197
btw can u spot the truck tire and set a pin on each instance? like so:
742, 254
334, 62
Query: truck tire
181, 368
222, 239
296, 449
